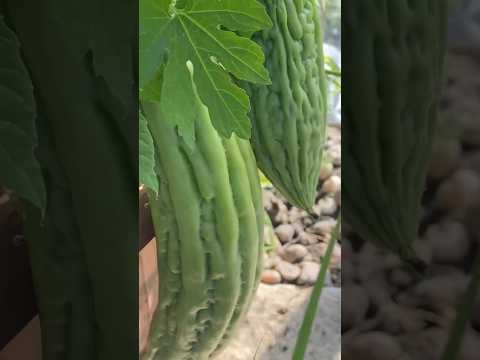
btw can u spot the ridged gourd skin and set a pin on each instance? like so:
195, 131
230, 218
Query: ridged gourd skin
289, 116
392, 71
208, 219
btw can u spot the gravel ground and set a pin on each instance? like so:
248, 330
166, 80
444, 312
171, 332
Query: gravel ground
300, 240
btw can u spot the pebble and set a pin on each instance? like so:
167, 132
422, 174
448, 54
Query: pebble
307, 221
317, 250
338, 198
336, 259
282, 216
271, 262
271, 277
449, 241
288, 271
445, 158
308, 257
323, 227
336, 154
461, 190
472, 162
332, 184
295, 215
294, 253
307, 239
373, 345
328, 206
326, 170
423, 251
309, 273
400, 278
353, 311
285, 233
4, 198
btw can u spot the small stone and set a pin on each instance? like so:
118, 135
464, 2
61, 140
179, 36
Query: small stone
332, 185
270, 262
299, 227
328, 206
288, 271
308, 257
472, 161
355, 306
309, 273
459, 191
4, 198
294, 253
271, 277
334, 134
323, 227
307, 221
372, 346
326, 171
445, 158
336, 258
307, 239
285, 232
423, 251
336, 154
400, 278
338, 198
348, 271
280, 251
317, 250
449, 241
281, 217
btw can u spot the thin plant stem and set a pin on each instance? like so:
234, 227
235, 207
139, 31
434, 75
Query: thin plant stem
333, 73
311, 312
452, 351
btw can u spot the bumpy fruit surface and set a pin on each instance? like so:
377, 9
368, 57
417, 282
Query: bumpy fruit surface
392, 76
208, 220
289, 116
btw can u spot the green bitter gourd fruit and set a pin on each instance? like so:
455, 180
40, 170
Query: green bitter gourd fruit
208, 219
289, 116
392, 72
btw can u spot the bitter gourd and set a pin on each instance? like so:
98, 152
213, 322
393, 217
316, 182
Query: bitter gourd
208, 220
61, 283
392, 72
88, 142
289, 116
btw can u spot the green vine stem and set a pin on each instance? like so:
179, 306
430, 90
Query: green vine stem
453, 348
310, 314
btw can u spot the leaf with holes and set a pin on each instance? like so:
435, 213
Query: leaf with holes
202, 37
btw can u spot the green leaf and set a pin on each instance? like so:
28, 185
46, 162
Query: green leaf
154, 21
146, 156
202, 33
20, 170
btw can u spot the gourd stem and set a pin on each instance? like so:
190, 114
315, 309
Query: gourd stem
310, 314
